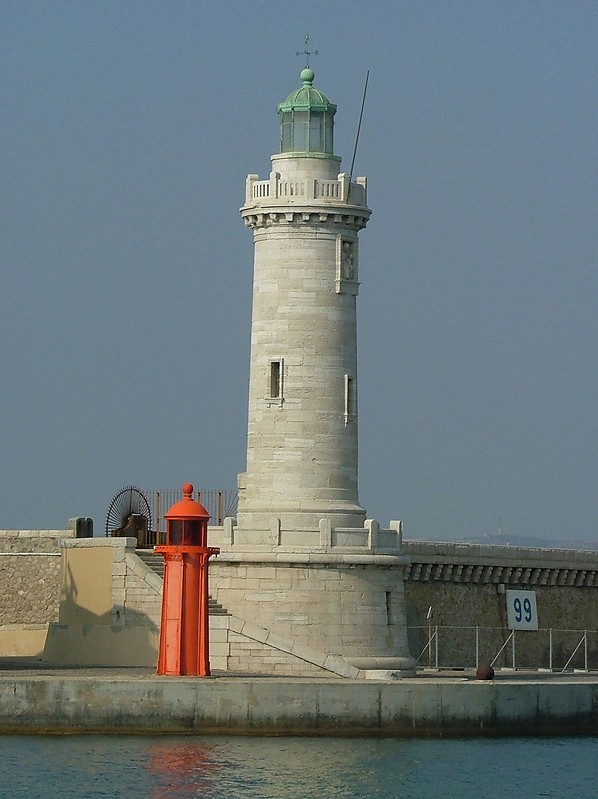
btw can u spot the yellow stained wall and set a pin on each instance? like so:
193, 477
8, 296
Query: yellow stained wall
86, 585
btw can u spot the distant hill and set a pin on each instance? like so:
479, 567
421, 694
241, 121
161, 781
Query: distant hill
528, 541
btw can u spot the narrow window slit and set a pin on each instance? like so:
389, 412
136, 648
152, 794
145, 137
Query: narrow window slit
349, 398
275, 379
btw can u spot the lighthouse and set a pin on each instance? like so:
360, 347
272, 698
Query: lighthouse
302, 456
310, 584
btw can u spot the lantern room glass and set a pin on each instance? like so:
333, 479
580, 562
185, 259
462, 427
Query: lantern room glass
306, 132
185, 532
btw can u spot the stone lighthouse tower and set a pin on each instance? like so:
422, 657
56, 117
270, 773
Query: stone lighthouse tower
302, 432
310, 584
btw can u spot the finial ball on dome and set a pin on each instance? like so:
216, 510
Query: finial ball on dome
307, 75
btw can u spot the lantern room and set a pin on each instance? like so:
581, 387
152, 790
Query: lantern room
187, 522
307, 120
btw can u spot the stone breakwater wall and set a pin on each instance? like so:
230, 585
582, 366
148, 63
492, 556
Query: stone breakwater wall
465, 585
79, 702
60, 594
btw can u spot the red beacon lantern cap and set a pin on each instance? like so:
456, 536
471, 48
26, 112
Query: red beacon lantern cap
187, 508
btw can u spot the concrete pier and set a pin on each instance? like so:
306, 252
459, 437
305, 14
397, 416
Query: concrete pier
38, 699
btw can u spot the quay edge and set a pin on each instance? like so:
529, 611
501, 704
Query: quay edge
79, 703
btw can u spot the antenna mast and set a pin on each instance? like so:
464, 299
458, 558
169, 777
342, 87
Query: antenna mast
365, 88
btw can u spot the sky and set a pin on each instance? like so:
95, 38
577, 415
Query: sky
128, 129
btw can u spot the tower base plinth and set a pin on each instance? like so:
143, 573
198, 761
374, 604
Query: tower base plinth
342, 604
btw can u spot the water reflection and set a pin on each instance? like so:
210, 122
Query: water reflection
254, 767
104, 767
181, 769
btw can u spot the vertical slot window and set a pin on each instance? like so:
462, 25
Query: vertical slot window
349, 397
388, 608
275, 379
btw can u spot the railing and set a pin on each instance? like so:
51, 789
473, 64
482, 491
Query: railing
329, 189
340, 190
261, 188
559, 650
291, 188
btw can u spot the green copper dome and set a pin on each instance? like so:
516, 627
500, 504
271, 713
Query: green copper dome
307, 120
307, 98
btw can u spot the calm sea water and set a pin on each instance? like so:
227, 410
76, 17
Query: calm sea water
94, 767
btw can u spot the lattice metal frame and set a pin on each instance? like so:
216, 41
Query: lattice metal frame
129, 501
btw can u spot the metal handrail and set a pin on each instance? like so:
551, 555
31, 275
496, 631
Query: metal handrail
498, 654
536, 652
433, 636
584, 639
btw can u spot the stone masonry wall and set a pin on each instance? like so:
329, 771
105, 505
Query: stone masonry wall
465, 587
243, 647
336, 608
235, 645
142, 593
30, 576
463, 584
254, 657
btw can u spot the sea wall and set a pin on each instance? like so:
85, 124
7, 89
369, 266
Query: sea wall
465, 586
93, 602
136, 704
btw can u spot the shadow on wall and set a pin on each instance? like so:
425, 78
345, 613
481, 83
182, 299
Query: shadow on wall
101, 645
95, 626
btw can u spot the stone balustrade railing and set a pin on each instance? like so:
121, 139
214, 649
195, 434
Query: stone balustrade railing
276, 189
369, 539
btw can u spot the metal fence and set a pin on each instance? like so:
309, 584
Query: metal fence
561, 650
219, 503
140, 514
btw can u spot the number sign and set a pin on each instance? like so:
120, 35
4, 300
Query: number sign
521, 610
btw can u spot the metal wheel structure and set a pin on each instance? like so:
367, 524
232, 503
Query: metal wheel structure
129, 514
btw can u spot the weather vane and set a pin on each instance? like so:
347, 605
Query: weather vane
307, 52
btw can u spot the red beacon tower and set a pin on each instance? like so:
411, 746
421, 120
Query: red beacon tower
184, 631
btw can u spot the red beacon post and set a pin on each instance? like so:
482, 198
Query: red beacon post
184, 631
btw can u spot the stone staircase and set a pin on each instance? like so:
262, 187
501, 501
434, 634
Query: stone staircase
156, 564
